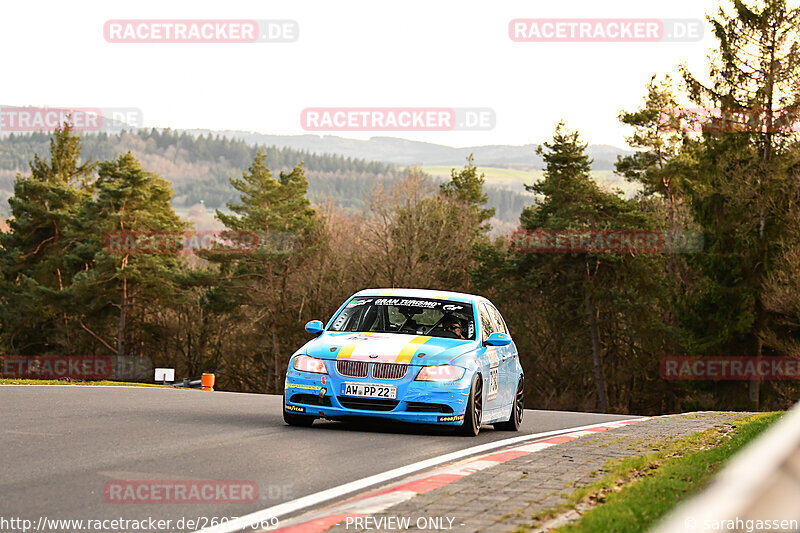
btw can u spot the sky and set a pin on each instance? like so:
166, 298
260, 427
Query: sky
348, 54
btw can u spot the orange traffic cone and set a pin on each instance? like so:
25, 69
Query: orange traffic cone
207, 382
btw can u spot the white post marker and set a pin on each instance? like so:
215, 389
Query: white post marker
165, 374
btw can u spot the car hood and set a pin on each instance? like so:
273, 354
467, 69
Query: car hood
387, 348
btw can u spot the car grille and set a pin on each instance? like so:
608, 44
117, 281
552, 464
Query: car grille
369, 404
352, 369
422, 407
310, 399
388, 371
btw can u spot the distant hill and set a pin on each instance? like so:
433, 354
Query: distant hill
381, 148
199, 167
417, 153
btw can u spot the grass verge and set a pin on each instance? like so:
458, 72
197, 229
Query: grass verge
95, 383
638, 491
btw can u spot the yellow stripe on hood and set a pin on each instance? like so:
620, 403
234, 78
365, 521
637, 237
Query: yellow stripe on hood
410, 349
346, 351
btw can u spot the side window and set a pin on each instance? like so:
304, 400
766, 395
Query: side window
487, 324
498, 320
338, 325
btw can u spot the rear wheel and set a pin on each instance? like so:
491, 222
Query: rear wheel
474, 412
517, 410
294, 419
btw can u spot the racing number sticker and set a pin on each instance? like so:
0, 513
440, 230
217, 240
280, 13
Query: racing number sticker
494, 375
494, 385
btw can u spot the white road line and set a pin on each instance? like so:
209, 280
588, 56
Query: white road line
317, 498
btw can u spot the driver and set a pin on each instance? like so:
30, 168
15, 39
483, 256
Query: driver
453, 325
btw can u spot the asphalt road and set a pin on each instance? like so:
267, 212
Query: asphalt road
60, 445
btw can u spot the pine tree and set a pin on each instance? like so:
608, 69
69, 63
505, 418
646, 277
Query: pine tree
37, 255
581, 286
113, 296
262, 281
466, 186
657, 146
659, 167
740, 189
267, 205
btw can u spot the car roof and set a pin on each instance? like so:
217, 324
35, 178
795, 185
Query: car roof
423, 293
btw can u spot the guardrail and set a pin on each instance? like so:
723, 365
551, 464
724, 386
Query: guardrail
205, 382
759, 489
187, 383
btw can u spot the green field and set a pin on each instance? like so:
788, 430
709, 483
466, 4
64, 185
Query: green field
514, 179
501, 177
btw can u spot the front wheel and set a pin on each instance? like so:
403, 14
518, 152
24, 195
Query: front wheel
472, 415
517, 410
294, 419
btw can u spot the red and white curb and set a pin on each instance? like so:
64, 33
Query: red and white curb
371, 502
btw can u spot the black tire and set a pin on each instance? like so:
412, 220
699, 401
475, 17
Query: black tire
474, 412
517, 411
294, 419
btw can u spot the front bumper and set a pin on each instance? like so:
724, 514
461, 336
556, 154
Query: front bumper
420, 402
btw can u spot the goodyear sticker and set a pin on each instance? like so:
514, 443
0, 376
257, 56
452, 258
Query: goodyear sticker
295, 408
451, 418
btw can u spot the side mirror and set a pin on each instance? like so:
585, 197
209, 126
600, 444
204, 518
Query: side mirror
497, 339
315, 327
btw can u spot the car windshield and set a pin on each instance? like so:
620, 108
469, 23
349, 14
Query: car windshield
420, 316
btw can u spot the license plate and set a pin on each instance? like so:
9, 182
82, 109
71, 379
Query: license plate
369, 390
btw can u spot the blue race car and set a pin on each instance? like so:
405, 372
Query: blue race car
409, 355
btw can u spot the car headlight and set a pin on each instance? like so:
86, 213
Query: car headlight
305, 363
441, 373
